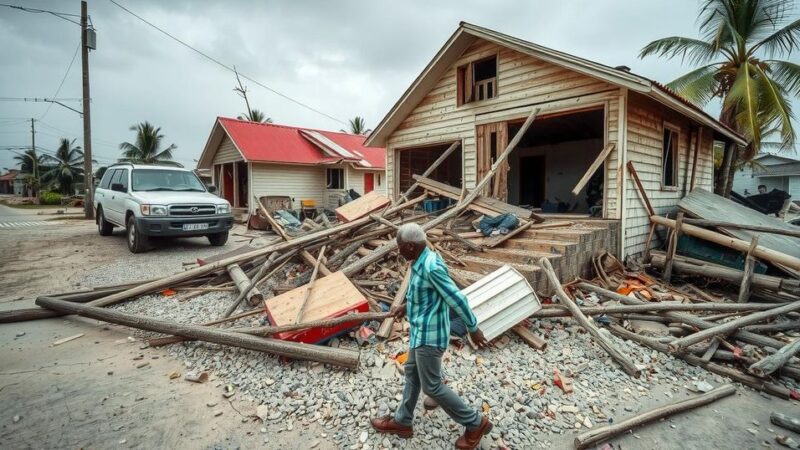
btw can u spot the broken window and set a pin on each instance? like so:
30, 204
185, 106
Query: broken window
477, 81
335, 179
669, 159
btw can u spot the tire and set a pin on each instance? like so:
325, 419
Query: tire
104, 227
218, 239
137, 242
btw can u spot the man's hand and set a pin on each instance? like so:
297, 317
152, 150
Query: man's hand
478, 339
398, 312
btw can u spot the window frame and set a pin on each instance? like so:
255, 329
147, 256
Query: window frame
341, 179
461, 80
676, 131
105, 182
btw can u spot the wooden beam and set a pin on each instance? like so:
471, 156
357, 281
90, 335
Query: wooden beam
642, 192
775, 361
749, 268
529, 337
697, 147
482, 204
385, 329
673, 247
731, 225
593, 167
310, 285
628, 366
494, 241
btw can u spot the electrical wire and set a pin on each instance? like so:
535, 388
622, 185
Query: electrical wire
227, 67
69, 67
64, 16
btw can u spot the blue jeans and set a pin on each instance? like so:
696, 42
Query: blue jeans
423, 372
457, 326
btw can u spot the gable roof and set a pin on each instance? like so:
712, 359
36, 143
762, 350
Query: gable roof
467, 33
282, 144
10, 175
780, 159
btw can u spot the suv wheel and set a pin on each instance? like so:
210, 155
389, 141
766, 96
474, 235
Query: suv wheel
103, 226
218, 239
137, 242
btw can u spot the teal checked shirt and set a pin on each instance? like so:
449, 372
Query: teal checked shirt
431, 293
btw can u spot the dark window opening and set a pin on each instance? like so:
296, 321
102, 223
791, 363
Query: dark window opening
106, 181
415, 161
477, 81
493, 146
669, 158
335, 178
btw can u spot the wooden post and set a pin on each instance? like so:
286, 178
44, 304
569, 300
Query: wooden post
749, 268
775, 361
784, 421
322, 354
673, 247
279, 261
680, 344
642, 192
529, 337
601, 434
601, 157
697, 148
789, 231
648, 242
310, 286
399, 298
243, 283
628, 366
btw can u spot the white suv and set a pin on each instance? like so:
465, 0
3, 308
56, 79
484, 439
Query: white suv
151, 201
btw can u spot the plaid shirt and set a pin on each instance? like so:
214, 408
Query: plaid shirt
431, 292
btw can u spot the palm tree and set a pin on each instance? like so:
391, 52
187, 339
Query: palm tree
254, 115
357, 126
67, 167
147, 149
741, 61
29, 161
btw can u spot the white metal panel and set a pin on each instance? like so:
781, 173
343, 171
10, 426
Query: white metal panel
227, 152
501, 300
328, 145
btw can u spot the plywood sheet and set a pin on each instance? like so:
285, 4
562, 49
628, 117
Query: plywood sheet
331, 296
709, 206
361, 206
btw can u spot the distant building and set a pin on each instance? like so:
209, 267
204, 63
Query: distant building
7, 182
773, 171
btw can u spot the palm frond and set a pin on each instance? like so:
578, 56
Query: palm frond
787, 75
693, 50
785, 40
775, 108
743, 100
698, 86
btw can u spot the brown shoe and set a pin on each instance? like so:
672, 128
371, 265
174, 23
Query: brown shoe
471, 439
386, 424
429, 404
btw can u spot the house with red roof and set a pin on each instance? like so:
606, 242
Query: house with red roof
590, 121
305, 164
9, 183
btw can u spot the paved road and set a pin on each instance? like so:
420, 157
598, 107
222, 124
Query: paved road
23, 218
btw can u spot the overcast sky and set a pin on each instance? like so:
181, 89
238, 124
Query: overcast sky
344, 58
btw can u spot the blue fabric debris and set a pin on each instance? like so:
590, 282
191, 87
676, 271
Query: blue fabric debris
502, 223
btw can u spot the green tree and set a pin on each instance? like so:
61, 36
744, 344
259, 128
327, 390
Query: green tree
66, 167
29, 161
98, 175
743, 59
147, 147
357, 126
255, 115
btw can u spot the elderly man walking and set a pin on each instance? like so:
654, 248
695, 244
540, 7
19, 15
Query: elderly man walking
431, 295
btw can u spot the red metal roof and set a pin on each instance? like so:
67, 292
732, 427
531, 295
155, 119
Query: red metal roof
269, 142
10, 176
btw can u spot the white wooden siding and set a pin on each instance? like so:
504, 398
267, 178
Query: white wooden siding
645, 135
355, 180
523, 81
227, 152
744, 180
295, 181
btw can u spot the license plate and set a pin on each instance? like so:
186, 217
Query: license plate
195, 226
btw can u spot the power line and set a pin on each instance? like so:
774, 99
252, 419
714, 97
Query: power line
229, 68
69, 67
64, 16
38, 99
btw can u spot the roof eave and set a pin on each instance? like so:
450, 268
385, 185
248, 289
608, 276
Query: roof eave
699, 116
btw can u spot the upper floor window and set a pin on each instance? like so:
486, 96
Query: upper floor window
477, 80
669, 158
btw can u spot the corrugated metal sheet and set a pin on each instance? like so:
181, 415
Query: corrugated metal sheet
501, 300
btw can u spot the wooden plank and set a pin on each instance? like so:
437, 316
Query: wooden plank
529, 337
673, 246
332, 295
697, 147
310, 286
749, 267
642, 192
494, 241
361, 206
488, 204
385, 329
593, 167
453, 147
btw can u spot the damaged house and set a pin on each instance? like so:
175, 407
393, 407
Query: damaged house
310, 166
592, 120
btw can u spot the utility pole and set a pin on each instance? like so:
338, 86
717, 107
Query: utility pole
88, 175
34, 162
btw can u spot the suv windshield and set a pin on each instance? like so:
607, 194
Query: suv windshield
165, 180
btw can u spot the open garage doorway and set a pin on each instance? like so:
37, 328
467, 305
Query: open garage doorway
416, 160
552, 157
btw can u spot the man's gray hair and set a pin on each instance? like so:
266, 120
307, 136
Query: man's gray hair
411, 233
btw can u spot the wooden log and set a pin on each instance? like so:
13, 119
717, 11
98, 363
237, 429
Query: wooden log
673, 247
383, 221
760, 252
243, 284
784, 421
271, 263
691, 266
694, 158
26, 314
327, 355
725, 328
469, 244
711, 350
529, 337
601, 434
482, 204
775, 361
601, 157
628, 366
734, 374
385, 329
774, 327
642, 193
694, 321
310, 286
749, 268
557, 311
736, 226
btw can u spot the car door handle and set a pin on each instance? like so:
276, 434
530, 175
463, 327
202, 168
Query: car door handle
112, 197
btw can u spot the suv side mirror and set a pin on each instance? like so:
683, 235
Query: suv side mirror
211, 188
117, 187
